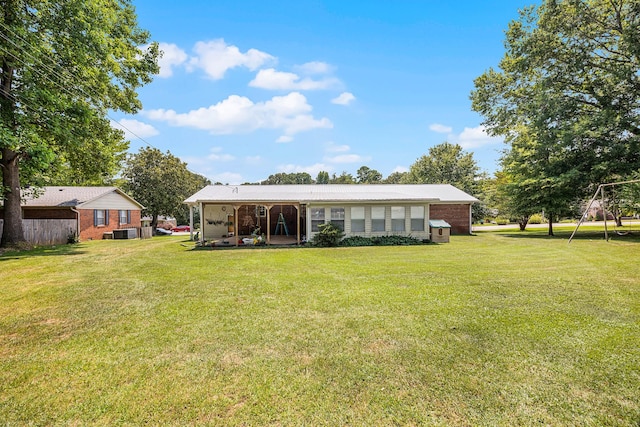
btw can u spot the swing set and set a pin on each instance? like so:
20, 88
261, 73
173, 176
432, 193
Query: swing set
615, 211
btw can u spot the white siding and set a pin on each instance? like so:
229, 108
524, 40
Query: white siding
367, 214
111, 201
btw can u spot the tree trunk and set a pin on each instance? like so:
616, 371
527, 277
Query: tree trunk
12, 233
550, 224
522, 222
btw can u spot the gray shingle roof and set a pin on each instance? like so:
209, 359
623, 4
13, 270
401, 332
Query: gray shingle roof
331, 193
70, 196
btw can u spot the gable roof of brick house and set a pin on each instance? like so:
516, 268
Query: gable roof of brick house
73, 197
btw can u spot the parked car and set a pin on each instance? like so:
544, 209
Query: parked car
181, 228
162, 232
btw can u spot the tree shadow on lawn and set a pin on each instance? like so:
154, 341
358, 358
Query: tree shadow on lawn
633, 237
57, 250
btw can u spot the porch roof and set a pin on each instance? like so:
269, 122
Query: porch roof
315, 193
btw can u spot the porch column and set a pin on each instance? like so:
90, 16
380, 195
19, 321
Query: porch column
191, 222
297, 206
268, 207
236, 208
201, 223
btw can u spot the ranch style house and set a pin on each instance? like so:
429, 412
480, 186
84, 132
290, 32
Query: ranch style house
294, 212
87, 212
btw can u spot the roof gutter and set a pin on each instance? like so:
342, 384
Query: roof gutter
77, 212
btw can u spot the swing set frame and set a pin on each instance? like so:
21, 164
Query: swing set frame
600, 192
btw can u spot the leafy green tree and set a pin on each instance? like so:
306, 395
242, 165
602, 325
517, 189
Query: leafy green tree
322, 178
395, 178
343, 178
64, 66
445, 164
366, 175
160, 182
567, 99
282, 178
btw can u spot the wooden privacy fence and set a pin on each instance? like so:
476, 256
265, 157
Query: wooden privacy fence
47, 231
146, 232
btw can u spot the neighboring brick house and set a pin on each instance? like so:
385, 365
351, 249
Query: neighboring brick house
96, 210
358, 209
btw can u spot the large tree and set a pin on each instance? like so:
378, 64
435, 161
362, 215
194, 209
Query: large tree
366, 175
566, 98
282, 178
160, 182
64, 66
445, 164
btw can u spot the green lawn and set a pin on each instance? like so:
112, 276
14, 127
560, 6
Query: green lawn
493, 329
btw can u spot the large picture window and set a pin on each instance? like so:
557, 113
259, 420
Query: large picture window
378, 218
417, 218
357, 219
317, 218
397, 218
337, 217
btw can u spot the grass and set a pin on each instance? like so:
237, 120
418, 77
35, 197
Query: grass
495, 329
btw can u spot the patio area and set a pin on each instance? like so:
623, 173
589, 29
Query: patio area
248, 242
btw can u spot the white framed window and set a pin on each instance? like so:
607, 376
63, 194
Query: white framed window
100, 217
378, 218
124, 217
417, 218
337, 217
317, 218
357, 219
262, 211
397, 218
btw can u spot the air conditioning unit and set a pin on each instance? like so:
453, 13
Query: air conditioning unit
127, 233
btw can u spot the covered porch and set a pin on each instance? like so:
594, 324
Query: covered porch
250, 223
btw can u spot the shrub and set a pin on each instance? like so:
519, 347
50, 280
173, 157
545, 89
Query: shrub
502, 221
329, 236
537, 219
356, 241
395, 241
381, 241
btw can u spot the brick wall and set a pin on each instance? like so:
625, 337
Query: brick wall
456, 215
90, 232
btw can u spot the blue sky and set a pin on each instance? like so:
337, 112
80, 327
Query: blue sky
252, 88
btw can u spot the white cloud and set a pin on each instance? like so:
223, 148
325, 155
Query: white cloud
172, 56
436, 127
333, 148
215, 57
347, 158
345, 98
474, 138
134, 129
314, 67
217, 155
284, 139
272, 79
238, 114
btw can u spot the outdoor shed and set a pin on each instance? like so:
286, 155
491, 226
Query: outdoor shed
55, 213
440, 231
293, 212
